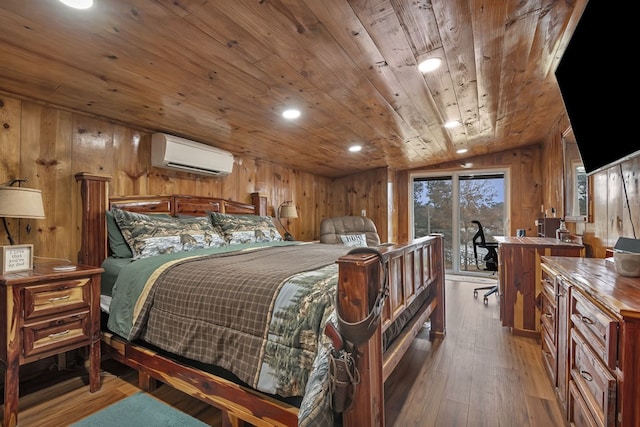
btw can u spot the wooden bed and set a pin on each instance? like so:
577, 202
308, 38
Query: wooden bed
412, 268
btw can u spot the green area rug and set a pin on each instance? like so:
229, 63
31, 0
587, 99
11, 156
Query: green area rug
139, 410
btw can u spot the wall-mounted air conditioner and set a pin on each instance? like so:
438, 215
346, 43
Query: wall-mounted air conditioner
173, 152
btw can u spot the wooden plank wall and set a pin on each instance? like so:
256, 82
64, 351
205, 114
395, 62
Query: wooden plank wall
368, 191
49, 146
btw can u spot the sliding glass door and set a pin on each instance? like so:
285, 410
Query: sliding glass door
441, 200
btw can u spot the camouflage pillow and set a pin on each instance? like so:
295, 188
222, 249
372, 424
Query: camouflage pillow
149, 235
245, 228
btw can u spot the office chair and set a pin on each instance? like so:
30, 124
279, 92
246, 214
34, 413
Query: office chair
490, 260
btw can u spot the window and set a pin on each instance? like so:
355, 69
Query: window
441, 200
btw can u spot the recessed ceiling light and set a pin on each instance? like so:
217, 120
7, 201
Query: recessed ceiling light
452, 124
291, 114
355, 148
462, 150
78, 4
429, 65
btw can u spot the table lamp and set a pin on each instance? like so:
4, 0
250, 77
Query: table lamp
19, 202
287, 210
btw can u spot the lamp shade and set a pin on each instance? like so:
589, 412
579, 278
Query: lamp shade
19, 202
288, 211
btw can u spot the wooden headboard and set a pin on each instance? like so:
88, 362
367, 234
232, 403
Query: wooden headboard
177, 204
96, 201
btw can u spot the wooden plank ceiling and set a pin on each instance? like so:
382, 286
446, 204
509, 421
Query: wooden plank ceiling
221, 72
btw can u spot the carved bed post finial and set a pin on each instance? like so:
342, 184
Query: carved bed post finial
94, 191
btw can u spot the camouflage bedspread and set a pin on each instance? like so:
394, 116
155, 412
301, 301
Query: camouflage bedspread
259, 314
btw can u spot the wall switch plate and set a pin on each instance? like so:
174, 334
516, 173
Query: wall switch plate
363, 212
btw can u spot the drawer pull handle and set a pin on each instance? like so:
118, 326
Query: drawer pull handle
586, 375
587, 320
56, 299
59, 334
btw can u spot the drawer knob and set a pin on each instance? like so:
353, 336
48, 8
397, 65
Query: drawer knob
57, 299
59, 334
587, 320
586, 375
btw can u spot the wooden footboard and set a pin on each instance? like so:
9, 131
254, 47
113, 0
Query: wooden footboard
415, 271
412, 269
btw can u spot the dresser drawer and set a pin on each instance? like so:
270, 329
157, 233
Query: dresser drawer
549, 357
548, 278
579, 415
68, 331
56, 297
548, 314
594, 381
598, 328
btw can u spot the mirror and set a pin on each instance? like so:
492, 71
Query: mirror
576, 182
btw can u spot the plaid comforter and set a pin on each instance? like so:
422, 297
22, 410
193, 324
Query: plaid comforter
259, 314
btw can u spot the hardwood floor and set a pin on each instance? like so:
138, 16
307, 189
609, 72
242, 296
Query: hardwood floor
479, 375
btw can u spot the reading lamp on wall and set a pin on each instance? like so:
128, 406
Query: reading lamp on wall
19, 202
287, 210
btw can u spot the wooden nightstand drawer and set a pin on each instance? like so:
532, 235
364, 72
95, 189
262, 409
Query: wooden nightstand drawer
598, 327
50, 335
594, 381
56, 297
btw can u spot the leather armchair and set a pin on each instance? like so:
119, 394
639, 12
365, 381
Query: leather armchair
332, 228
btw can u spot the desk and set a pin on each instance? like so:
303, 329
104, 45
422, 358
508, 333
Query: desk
520, 278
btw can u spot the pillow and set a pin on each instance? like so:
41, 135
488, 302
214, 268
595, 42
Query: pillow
245, 228
117, 244
149, 235
355, 240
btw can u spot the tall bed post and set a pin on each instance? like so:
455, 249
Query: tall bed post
354, 301
438, 319
94, 190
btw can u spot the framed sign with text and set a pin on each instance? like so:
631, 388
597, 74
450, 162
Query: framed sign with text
16, 258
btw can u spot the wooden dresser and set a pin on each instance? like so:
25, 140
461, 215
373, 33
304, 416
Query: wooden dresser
591, 340
519, 275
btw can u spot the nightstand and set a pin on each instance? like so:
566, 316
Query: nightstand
44, 312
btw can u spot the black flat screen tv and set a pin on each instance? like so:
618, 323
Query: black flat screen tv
595, 78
